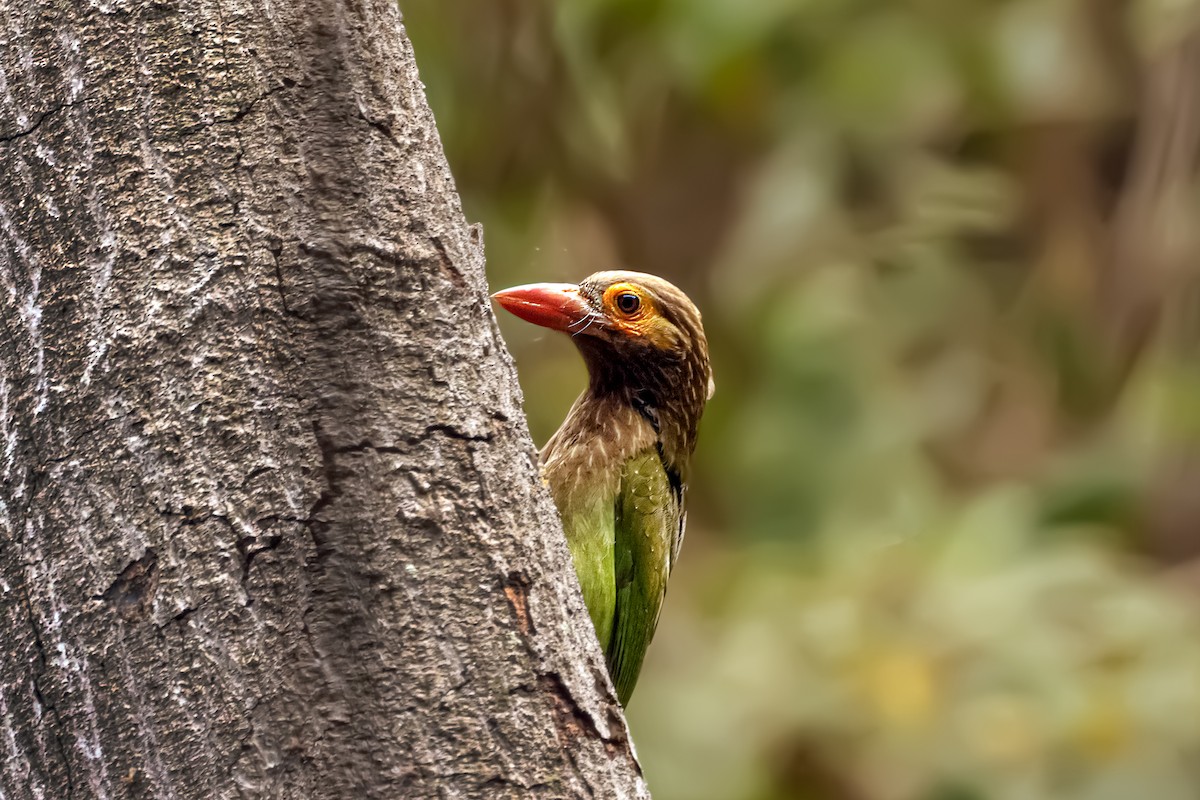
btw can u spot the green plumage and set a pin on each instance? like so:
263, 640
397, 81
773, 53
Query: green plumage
621, 522
647, 520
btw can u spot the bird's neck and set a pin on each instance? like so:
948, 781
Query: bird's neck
648, 413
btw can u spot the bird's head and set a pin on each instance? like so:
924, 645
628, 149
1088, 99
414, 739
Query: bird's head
641, 337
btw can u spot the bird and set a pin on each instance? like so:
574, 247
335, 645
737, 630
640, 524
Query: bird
618, 466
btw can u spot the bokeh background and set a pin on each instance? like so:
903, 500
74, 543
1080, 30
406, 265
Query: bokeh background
945, 516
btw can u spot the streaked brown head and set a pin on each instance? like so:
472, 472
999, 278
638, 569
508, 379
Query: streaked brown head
641, 337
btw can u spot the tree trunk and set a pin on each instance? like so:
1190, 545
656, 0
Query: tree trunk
270, 523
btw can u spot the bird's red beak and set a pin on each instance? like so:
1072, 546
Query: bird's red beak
557, 306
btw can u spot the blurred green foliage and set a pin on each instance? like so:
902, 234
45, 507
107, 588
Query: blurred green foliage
946, 511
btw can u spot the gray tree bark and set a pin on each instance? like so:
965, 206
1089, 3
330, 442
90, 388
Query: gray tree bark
270, 524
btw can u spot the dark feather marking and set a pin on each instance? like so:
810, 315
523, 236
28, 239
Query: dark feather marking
672, 473
641, 404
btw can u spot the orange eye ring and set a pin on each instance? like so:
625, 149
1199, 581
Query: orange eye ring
627, 303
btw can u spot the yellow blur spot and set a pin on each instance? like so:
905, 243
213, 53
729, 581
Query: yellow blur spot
899, 684
1104, 730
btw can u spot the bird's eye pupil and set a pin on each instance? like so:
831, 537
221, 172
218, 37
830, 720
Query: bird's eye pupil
628, 302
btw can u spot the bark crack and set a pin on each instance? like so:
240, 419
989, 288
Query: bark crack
382, 127
516, 589
332, 490
276, 250
574, 722
451, 432
241, 113
249, 547
35, 677
445, 429
11, 137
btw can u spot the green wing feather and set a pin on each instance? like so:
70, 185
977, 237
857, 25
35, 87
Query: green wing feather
648, 523
588, 522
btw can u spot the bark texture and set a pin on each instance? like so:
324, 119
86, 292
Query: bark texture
270, 524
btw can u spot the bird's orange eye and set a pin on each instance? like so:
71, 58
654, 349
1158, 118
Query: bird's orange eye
628, 303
